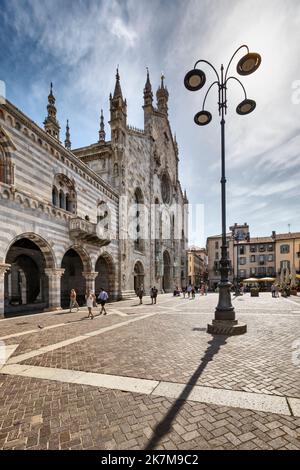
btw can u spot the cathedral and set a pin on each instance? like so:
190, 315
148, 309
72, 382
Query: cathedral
109, 215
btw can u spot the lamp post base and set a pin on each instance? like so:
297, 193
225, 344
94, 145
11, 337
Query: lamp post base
226, 327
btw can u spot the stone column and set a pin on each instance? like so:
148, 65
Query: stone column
3, 268
54, 276
90, 280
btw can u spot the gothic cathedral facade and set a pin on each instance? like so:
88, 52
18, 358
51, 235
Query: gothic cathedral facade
109, 215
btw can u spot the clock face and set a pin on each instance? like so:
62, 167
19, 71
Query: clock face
165, 188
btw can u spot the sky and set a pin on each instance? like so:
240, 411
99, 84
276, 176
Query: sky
77, 44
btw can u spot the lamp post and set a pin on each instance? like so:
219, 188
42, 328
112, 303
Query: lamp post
224, 321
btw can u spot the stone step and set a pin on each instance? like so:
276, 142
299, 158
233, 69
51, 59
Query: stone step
128, 294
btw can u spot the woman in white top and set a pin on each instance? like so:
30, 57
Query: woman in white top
90, 299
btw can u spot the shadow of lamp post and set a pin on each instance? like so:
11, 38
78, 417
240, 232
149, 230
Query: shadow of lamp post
224, 321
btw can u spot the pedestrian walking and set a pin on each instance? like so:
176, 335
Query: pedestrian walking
103, 297
273, 290
277, 289
184, 291
73, 300
141, 294
90, 301
193, 292
205, 289
189, 290
153, 295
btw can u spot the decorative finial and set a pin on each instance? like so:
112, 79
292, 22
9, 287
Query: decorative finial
67, 140
101, 131
162, 80
51, 124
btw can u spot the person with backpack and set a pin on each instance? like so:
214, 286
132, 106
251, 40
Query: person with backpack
103, 297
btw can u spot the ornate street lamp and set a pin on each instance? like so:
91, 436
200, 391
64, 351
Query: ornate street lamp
224, 321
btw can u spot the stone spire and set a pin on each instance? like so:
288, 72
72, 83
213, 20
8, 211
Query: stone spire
148, 106
118, 91
148, 95
118, 107
162, 96
51, 125
175, 144
67, 140
101, 131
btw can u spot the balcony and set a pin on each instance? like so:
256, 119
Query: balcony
87, 232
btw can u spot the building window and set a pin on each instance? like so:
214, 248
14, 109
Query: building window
262, 247
253, 248
54, 196
242, 260
285, 265
216, 255
241, 250
284, 248
261, 259
270, 271
270, 248
61, 200
63, 193
242, 273
6, 165
252, 258
139, 200
253, 271
261, 271
216, 245
270, 258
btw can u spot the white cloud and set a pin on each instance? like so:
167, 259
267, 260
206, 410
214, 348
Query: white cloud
122, 31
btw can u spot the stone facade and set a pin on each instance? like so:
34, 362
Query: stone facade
92, 217
142, 165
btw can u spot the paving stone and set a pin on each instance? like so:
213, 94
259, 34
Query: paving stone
39, 414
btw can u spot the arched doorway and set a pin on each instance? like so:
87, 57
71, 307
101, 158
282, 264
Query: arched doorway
26, 286
106, 276
72, 278
138, 276
166, 281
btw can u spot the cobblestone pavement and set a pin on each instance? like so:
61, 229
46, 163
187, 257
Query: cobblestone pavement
172, 346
